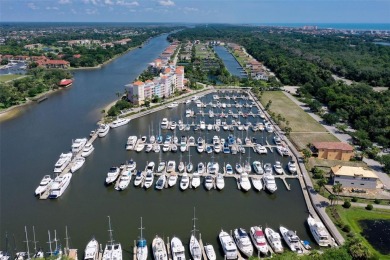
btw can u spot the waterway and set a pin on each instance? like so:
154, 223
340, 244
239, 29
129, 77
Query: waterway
230, 62
32, 142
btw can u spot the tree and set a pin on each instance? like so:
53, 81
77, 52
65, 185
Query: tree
337, 188
306, 154
321, 183
357, 249
330, 118
268, 105
332, 198
385, 160
347, 204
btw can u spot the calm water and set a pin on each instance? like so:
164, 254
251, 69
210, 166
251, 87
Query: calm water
32, 142
377, 232
230, 62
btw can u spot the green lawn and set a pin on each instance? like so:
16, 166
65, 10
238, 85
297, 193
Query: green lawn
352, 216
302, 139
7, 77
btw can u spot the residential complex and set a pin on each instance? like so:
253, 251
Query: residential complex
354, 177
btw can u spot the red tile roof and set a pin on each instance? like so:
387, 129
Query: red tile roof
138, 83
333, 146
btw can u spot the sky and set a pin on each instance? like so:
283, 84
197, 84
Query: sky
197, 11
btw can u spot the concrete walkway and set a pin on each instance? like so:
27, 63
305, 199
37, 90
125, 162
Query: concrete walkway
376, 206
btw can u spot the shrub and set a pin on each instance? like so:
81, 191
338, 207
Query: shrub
346, 228
347, 204
377, 201
354, 199
369, 207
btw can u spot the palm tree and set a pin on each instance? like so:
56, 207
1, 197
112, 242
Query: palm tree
321, 183
332, 198
337, 188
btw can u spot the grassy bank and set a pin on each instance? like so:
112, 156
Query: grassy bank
352, 216
8, 77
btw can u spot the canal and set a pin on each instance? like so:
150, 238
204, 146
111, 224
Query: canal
230, 62
32, 142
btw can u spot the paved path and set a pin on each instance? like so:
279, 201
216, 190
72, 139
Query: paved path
376, 206
374, 165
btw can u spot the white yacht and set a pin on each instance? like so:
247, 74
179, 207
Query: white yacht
164, 123
229, 169
201, 168
45, 184
156, 148
258, 239
185, 181
152, 139
139, 147
160, 183
112, 250
239, 168
268, 168
274, 240
210, 252
213, 167
319, 232
269, 182
78, 144
257, 167
292, 240
88, 149
292, 167
59, 185
269, 128
200, 145
260, 149
150, 167
124, 180
103, 130
91, 251
119, 122
173, 105
139, 177
244, 181
202, 125
209, 182
77, 163
166, 147
177, 249
194, 245
159, 250
62, 162
283, 151
247, 167
161, 167
228, 246
172, 180
131, 165
195, 182
131, 142
257, 183
112, 175
220, 181
243, 241
181, 167
148, 179
278, 167
142, 246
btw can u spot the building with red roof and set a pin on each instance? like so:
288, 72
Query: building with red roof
333, 150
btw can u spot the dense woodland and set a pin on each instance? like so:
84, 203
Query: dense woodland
298, 59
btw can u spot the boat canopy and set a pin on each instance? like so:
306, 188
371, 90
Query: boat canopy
141, 243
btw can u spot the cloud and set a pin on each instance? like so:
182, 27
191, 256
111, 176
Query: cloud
108, 2
91, 11
64, 2
73, 11
190, 9
52, 8
128, 4
32, 6
166, 2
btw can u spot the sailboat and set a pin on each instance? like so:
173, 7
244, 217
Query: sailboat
195, 250
72, 253
112, 250
23, 255
38, 252
57, 253
4, 255
142, 246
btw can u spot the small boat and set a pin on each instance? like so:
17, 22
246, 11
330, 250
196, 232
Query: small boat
173, 148
156, 148
292, 240
195, 181
139, 177
45, 184
185, 181
319, 232
159, 250
247, 167
159, 139
239, 168
112, 175
257, 183
229, 169
244, 181
292, 167
277, 140
148, 148
142, 246
210, 252
103, 130
228, 246
194, 245
173, 125
160, 183
209, 149
172, 180
274, 240
161, 167
91, 251
59, 185
243, 241
202, 125
124, 180
171, 166
152, 139
191, 140
62, 162
88, 149
212, 167
131, 165
278, 167
148, 179
268, 168
220, 181
177, 249
283, 151
139, 147
119, 122
78, 144
258, 239
78, 162
181, 166
131, 142
164, 123
209, 182
173, 105
189, 167
201, 168
257, 167
166, 147
269, 182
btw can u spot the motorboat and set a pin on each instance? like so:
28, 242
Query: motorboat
160, 183
77, 163
88, 149
209, 149
191, 140
187, 128
292, 240
185, 181
59, 185
283, 151
228, 169
210, 252
209, 127
269, 182
173, 105
139, 147
257, 167
172, 125
189, 167
175, 140
78, 144
62, 162
124, 180
152, 139
243, 241
195, 181
226, 148
159, 139
217, 148
212, 167
201, 168
131, 142
45, 184
119, 122
202, 125
292, 167
257, 183
228, 245
112, 175
220, 181
260, 149
171, 166
274, 240
319, 232
258, 239
200, 146
172, 180
156, 148
189, 112
103, 130
239, 168
164, 123
209, 182
278, 167
173, 148
181, 166
277, 140
148, 148
131, 165
177, 249
142, 246
166, 148
268, 168
244, 181
148, 179
269, 128
158, 248
112, 251
91, 251
247, 167
139, 177
161, 167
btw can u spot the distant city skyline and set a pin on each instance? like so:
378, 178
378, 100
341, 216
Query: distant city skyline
197, 11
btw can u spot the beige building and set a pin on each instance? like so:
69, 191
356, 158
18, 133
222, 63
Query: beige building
333, 150
354, 177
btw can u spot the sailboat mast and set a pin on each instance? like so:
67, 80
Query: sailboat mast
194, 219
28, 248
35, 242
141, 228
67, 241
51, 250
110, 230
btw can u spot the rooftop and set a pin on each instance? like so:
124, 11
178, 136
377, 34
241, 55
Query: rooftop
353, 171
333, 146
